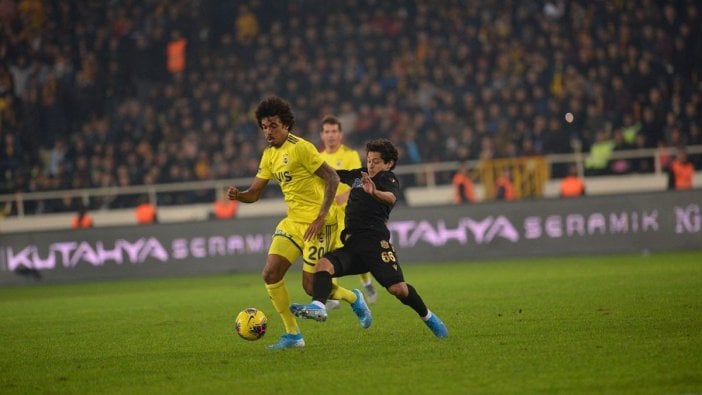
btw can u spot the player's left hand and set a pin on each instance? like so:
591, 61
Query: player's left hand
367, 182
314, 229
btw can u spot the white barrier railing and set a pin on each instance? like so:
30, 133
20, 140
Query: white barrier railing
425, 172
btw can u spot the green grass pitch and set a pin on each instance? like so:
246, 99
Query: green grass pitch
603, 324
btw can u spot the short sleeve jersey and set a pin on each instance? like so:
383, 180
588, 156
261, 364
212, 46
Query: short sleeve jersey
293, 165
364, 212
344, 158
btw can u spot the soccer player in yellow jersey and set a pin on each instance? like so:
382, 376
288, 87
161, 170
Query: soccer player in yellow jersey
309, 228
341, 157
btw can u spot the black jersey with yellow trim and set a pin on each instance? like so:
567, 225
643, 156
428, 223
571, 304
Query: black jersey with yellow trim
363, 211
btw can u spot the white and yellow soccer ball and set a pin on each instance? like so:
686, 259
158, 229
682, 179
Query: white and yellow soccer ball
251, 324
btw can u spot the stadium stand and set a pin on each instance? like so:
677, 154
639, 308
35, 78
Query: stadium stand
126, 93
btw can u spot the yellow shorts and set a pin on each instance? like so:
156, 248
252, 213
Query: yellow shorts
288, 242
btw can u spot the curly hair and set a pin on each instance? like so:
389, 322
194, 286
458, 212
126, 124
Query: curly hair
386, 149
272, 106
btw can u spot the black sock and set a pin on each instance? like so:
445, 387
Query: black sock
415, 301
322, 286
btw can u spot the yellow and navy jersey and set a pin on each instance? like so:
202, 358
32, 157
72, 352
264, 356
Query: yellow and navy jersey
293, 165
344, 158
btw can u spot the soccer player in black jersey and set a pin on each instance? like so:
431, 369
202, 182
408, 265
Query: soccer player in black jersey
366, 238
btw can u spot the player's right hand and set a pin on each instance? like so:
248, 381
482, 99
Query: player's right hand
233, 193
314, 228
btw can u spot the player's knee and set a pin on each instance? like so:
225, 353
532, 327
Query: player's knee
275, 269
324, 265
399, 290
271, 276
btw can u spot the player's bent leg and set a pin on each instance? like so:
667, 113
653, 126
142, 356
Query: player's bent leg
409, 296
273, 273
337, 292
333, 303
322, 284
341, 293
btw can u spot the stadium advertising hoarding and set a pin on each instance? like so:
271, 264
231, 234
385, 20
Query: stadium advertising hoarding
636, 223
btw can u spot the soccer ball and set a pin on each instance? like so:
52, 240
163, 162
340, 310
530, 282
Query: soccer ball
251, 324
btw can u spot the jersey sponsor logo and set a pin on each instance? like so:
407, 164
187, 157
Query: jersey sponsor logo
283, 176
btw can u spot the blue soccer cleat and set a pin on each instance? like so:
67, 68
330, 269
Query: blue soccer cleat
288, 340
437, 326
360, 308
310, 311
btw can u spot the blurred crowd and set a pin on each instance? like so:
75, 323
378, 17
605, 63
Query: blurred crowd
132, 92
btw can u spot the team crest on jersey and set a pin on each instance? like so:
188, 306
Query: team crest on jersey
286, 160
339, 163
357, 183
384, 244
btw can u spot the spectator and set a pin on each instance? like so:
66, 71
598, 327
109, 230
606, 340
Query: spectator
176, 53
572, 185
392, 74
681, 172
246, 26
463, 191
82, 219
621, 166
146, 213
600, 152
504, 186
225, 208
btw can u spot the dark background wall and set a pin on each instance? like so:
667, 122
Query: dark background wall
634, 223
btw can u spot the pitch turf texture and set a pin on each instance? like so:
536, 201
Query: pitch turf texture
616, 324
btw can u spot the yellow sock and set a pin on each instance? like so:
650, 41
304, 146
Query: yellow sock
281, 301
341, 293
365, 278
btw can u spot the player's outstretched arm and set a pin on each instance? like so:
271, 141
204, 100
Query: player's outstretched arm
250, 195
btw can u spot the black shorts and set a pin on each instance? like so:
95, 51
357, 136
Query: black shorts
367, 253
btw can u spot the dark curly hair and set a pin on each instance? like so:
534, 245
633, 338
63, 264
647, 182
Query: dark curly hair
272, 106
387, 151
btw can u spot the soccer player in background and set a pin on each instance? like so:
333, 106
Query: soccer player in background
367, 247
341, 157
309, 229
